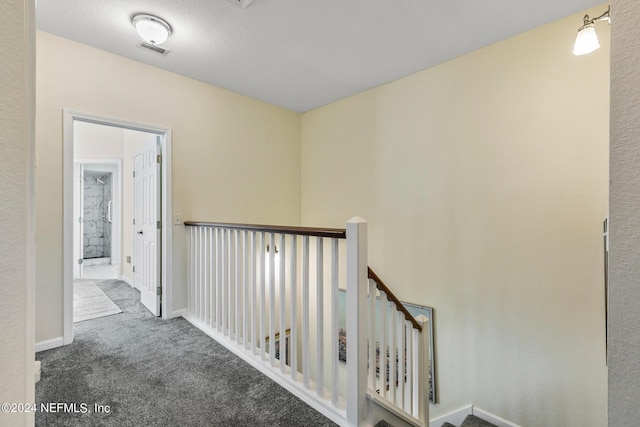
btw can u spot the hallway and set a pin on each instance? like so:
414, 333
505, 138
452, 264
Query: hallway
142, 370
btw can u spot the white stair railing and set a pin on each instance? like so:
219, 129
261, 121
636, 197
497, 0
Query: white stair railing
400, 379
251, 285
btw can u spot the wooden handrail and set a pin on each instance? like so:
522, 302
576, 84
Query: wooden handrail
336, 233
384, 288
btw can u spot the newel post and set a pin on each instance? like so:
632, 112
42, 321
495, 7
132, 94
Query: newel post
423, 370
357, 280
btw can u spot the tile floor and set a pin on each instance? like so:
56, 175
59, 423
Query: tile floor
100, 272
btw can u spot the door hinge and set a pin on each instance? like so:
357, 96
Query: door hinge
134, 268
134, 174
159, 225
159, 158
80, 261
134, 221
158, 290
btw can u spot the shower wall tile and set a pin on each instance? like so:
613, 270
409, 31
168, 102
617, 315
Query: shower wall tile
97, 230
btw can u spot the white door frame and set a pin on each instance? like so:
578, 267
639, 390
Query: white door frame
115, 167
69, 116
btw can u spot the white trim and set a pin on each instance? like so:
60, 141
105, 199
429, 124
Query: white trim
321, 405
67, 226
167, 209
49, 344
456, 417
126, 280
177, 313
488, 416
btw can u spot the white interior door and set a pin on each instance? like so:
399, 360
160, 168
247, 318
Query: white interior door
146, 199
78, 210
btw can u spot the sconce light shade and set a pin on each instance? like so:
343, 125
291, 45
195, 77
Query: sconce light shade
151, 28
586, 40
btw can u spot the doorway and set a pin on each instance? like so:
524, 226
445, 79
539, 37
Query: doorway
98, 207
108, 204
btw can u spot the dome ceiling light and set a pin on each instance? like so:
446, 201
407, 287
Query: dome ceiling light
151, 29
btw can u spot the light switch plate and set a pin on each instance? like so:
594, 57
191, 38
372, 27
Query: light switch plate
177, 219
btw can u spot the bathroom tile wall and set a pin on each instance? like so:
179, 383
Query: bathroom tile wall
97, 231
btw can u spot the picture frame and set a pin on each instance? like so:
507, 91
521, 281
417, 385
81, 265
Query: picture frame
287, 349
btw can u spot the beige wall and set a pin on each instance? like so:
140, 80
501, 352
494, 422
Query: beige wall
17, 273
234, 158
484, 181
624, 199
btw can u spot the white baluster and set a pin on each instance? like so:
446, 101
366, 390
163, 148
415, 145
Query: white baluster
392, 352
415, 394
281, 272
212, 273
198, 270
254, 284
401, 359
305, 311
219, 279
245, 289
272, 298
205, 274
408, 385
190, 258
384, 322
334, 322
320, 316
263, 286
372, 334
230, 282
237, 282
293, 348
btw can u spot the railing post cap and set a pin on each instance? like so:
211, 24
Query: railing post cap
356, 220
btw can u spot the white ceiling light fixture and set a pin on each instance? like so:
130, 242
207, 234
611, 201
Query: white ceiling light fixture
587, 39
151, 29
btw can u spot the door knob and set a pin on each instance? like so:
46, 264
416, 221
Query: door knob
140, 232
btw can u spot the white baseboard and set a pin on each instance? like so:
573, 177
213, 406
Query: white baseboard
38, 370
177, 313
488, 416
49, 344
455, 417
126, 280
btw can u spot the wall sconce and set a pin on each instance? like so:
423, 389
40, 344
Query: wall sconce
587, 39
151, 29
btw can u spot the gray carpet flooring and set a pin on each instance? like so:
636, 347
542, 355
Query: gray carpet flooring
152, 372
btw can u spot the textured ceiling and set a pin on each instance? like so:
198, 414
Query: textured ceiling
302, 54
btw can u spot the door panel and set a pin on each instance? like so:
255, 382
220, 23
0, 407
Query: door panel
146, 227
